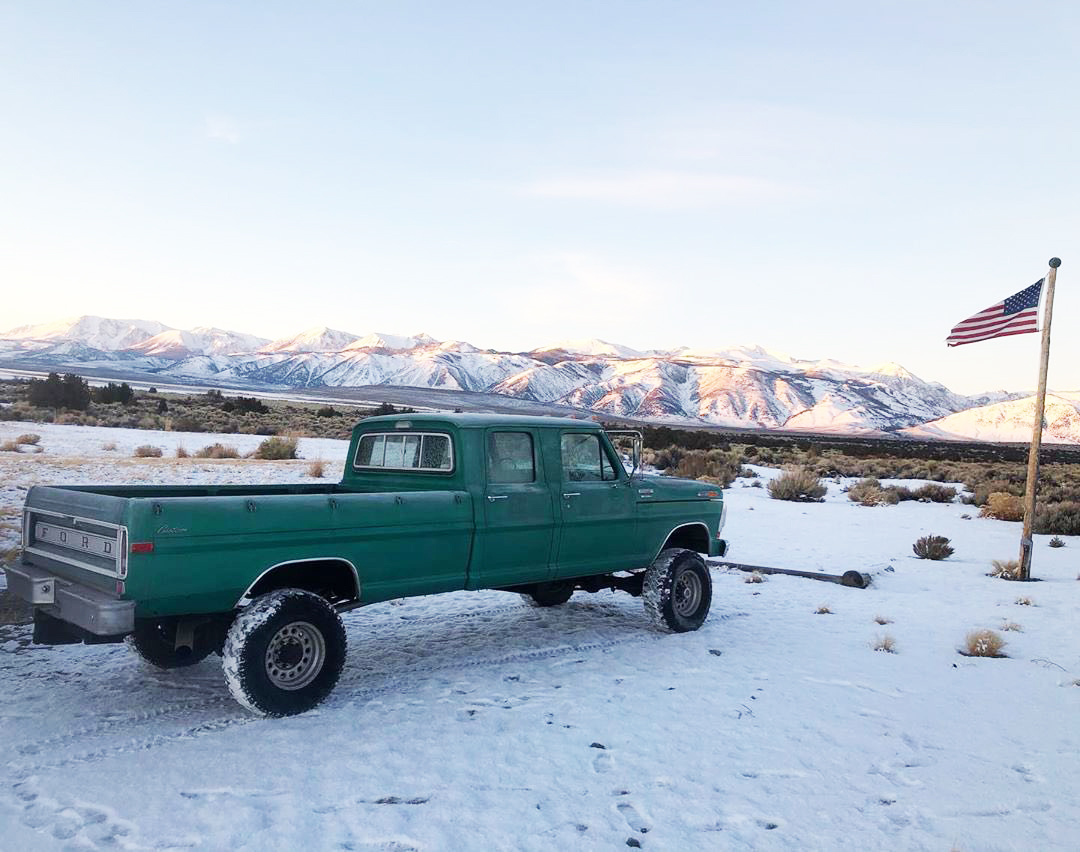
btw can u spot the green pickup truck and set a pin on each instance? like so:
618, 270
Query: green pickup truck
428, 503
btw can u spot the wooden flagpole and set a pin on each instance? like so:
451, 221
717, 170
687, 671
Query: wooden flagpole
1036, 434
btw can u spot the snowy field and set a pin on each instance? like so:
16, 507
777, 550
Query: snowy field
473, 722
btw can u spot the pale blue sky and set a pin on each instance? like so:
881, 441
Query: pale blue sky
840, 180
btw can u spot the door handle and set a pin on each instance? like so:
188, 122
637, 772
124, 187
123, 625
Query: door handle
571, 494
497, 497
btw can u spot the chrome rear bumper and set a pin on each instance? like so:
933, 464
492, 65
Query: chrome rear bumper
90, 609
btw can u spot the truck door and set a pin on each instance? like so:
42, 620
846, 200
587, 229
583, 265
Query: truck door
597, 507
514, 545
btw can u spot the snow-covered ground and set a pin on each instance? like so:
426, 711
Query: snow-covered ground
473, 722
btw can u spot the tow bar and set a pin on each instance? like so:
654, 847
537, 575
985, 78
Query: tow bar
854, 579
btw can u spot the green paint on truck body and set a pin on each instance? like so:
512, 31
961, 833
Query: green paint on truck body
490, 501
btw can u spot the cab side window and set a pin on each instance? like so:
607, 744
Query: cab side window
584, 459
510, 458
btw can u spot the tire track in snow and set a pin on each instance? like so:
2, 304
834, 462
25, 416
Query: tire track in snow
393, 685
184, 706
344, 697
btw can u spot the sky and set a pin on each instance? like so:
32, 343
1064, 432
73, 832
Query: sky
828, 180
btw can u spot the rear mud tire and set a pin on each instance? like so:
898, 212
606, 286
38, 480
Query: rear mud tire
549, 594
677, 590
154, 642
284, 653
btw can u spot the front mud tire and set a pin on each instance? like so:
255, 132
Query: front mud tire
677, 590
284, 653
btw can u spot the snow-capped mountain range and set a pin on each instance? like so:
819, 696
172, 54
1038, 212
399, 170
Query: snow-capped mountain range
742, 386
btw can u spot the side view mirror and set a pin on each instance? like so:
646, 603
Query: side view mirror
628, 445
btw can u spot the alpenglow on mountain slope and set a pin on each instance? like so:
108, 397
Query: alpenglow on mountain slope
738, 387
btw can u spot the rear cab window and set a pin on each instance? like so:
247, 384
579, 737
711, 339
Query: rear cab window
511, 458
429, 452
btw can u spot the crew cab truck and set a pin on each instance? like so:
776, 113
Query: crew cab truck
428, 503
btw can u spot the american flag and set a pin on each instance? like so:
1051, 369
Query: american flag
1018, 314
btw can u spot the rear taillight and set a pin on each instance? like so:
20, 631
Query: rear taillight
142, 547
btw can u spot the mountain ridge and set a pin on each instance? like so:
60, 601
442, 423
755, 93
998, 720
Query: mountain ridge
734, 386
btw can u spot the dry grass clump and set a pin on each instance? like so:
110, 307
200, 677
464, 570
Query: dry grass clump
1056, 542
29, 438
218, 451
146, 451
885, 643
109, 446
881, 619
935, 547
1006, 569
869, 492
1003, 507
755, 577
983, 643
1011, 627
1025, 601
800, 485
181, 452
276, 448
823, 610
316, 469
9, 447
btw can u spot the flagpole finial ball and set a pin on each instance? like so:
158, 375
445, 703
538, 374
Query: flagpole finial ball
1055, 262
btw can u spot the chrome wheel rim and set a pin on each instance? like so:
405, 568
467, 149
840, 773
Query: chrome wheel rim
295, 655
687, 593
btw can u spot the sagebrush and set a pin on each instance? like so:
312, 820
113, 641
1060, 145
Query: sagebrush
800, 485
935, 547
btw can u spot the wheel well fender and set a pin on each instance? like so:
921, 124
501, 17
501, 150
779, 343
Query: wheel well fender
693, 536
332, 577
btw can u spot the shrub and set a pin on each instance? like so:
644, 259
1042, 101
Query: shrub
1056, 542
800, 485
983, 490
9, 447
316, 469
181, 452
885, 643
1003, 507
1024, 601
754, 577
869, 492
1012, 627
109, 447
1059, 518
823, 610
146, 451
187, 423
1006, 569
217, 451
275, 448
29, 438
327, 411
983, 643
935, 547
934, 493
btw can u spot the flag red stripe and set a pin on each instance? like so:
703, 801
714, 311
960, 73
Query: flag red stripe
967, 325
987, 332
1002, 334
1023, 325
